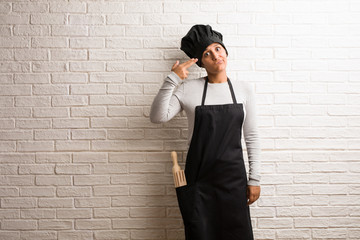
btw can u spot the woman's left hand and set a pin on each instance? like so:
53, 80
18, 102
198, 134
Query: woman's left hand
252, 193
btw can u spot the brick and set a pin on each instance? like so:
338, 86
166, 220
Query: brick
143, 167
128, 179
124, 111
17, 158
89, 19
93, 202
37, 191
88, 89
36, 169
71, 123
8, 169
89, 157
56, 202
329, 211
108, 122
35, 146
111, 212
88, 134
127, 157
334, 233
125, 19
53, 157
49, 66
45, 89
293, 212
16, 135
131, 7
111, 190
157, 233
107, 77
126, 134
184, 7
293, 233
91, 180
53, 180
33, 123
14, 112
156, 19
73, 213
75, 235
139, 100
68, 31
74, 191
147, 190
58, 112
132, 224
88, 111
68, 78
55, 224
107, 100
127, 65
9, 213
311, 222
39, 235
110, 168
10, 235
129, 42
111, 234
18, 202
73, 145
106, 55
229, 18
145, 144
110, 7
31, 54
63, 101
93, 224
15, 90
6, 101
68, 7
72, 169
51, 134
108, 145
88, 43
7, 123
19, 225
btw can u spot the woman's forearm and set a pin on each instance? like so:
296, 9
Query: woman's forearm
166, 105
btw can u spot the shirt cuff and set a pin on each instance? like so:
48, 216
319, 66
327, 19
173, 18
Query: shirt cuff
253, 182
175, 78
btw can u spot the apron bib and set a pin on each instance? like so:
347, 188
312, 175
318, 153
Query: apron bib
213, 204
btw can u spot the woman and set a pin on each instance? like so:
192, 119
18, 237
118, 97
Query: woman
215, 202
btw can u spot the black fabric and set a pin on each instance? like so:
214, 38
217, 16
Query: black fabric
198, 39
213, 204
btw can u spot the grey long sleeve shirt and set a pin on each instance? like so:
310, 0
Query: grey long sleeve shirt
176, 95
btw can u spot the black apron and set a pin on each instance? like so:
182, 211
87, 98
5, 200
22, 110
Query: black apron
213, 204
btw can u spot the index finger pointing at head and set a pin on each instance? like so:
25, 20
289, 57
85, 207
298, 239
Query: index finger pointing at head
189, 63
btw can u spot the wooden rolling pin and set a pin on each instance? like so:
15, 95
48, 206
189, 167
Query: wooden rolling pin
178, 174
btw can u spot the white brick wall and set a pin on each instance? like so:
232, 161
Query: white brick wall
80, 159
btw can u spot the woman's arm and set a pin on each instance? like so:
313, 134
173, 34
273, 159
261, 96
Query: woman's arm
252, 140
166, 105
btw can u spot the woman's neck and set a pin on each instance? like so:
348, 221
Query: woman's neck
217, 78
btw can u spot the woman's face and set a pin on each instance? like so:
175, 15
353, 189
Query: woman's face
214, 58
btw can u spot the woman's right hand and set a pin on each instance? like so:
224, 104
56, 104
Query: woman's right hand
181, 69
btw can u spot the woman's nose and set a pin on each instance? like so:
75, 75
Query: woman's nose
215, 55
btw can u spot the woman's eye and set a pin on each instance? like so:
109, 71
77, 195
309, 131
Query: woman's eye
218, 48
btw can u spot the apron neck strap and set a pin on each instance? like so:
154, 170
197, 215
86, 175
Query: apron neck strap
205, 89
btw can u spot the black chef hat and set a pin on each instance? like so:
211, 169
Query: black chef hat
198, 39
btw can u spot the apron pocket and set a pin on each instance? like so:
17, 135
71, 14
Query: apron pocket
186, 199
